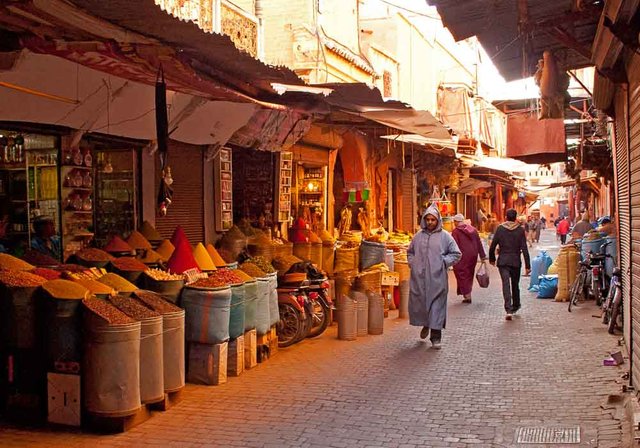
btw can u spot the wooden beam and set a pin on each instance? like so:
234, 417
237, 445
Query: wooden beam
569, 41
567, 18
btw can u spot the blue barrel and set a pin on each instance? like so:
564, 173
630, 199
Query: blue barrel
263, 320
389, 261
250, 304
611, 250
274, 311
593, 246
236, 318
207, 314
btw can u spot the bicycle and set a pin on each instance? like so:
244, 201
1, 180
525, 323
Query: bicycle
580, 284
612, 305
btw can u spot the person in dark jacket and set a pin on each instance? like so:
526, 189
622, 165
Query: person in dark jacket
512, 243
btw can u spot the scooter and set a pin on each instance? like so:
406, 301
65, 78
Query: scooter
320, 306
293, 317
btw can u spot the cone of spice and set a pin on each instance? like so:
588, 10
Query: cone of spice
20, 279
165, 250
92, 254
37, 258
151, 257
11, 263
205, 263
182, 258
138, 241
178, 236
65, 289
215, 256
49, 274
253, 270
150, 232
118, 283
118, 245
243, 275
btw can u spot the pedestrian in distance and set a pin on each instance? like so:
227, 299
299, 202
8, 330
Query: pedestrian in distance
431, 252
511, 242
469, 243
482, 219
582, 226
563, 229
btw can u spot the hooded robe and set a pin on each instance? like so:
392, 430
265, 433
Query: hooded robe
470, 244
430, 254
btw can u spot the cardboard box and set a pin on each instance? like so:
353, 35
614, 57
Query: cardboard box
235, 359
207, 363
250, 349
63, 393
390, 279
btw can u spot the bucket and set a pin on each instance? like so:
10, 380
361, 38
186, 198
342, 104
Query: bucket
62, 331
169, 289
111, 368
402, 268
236, 315
173, 350
594, 246
207, 313
315, 254
18, 327
328, 257
376, 313
302, 251
250, 304
274, 310
263, 320
151, 360
362, 305
347, 319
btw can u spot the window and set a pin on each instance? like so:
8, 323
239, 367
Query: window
386, 84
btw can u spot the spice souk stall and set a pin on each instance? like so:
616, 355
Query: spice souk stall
115, 333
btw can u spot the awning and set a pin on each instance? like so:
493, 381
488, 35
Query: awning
418, 122
470, 184
536, 141
504, 164
62, 93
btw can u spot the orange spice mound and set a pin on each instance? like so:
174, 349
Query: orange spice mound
215, 256
165, 250
138, 241
117, 244
150, 232
205, 263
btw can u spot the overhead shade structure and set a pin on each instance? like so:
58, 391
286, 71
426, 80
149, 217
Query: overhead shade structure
420, 122
470, 185
352, 156
536, 141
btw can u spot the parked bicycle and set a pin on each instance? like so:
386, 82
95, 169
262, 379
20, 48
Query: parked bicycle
612, 305
591, 281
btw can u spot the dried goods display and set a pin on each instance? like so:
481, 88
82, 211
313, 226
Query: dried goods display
165, 250
285, 173
263, 264
107, 311
182, 258
215, 256
95, 287
92, 254
223, 177
156, 302
70, 267
132, 307
20, 279
118, 245
138, 241
244, 276
65, 289
11, 263
150, 256
49, 274
211, 282
129, 264
149, 232
226, 276
160, 275
77, 200
37, 258
202, 257
118, 283
252, 269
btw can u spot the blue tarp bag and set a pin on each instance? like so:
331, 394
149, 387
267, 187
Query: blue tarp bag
539, 266
548, 286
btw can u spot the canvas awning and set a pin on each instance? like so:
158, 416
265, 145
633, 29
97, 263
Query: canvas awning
471, 184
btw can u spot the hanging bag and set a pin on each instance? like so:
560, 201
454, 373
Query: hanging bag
483, 276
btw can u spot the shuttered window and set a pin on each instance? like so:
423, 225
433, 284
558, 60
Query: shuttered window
186, 210
409, 203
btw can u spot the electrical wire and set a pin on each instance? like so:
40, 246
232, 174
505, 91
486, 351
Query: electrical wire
421, 14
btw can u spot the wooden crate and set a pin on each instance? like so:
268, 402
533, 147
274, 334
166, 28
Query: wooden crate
63, 399
250, 349
235, 358
207, 363
273, 341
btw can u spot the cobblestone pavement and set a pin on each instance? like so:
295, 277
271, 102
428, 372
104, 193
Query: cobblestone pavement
491, 377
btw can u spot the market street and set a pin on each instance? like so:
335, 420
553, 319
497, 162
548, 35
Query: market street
491, 377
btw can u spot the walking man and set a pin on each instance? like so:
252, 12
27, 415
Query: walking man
563, 229
468, 240
512, 242
431, 252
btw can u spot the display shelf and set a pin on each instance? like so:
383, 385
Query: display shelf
285, 175
223, 177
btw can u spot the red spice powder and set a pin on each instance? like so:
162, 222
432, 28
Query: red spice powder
182, 258
117, 244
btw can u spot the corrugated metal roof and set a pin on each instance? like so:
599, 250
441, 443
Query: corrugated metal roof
495, 23
216, 51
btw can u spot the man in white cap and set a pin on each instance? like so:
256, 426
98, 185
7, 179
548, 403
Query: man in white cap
468, 240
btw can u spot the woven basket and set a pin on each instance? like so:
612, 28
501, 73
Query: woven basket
282, 250
260, 250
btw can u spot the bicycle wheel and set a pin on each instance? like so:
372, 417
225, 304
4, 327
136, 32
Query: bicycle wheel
616, 313
576, 290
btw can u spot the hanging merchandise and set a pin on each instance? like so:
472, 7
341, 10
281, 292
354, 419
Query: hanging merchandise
445, 204
165, 193
356, 192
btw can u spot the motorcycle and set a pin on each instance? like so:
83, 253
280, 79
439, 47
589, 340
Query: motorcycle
598, 281
292, 299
